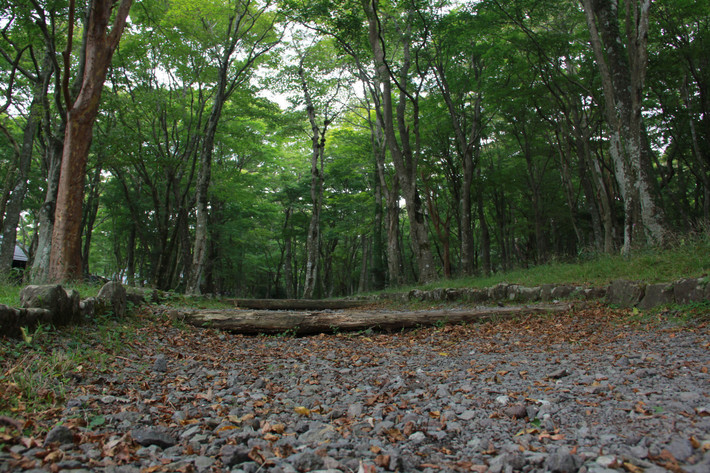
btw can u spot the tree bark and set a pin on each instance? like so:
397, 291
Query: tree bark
241, 25
403, 156
303, 323
317, 152
17, 196
100, 44
622, 65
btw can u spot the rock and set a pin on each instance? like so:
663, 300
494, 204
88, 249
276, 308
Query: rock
63, 305
499, 292
203, 463
558, 373
506, 461
657, 295
318, 433
475, 295
160, 364
136, 297
59, 434
681, 449
687, 291
150, 436
12, 319
88, 308
562, 292
591, 293
523, 294
305, 461
546, 292
112, 298
563, 462
516, 411
232, 455
624, 293
355, 410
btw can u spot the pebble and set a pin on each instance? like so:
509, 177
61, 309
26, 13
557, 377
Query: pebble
59, 434
395, 402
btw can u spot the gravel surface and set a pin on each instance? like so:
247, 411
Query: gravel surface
583, 392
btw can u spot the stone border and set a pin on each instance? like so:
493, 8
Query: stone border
621, 293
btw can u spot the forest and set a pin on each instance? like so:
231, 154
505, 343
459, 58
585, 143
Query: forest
296, 148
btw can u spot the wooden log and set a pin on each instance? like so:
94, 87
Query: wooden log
295, 304
302, 323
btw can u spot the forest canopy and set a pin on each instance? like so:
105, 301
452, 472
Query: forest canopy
301, 148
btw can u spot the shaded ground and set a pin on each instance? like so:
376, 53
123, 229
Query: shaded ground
586, 391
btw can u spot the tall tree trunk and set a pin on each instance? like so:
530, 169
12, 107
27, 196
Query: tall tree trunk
403, 157
199, 252
17, 196
288, 257
89, 215
131, 256
240, 26
100, 43
485, 235
377, 266
317, 152
622, 65
40, 265
467, 141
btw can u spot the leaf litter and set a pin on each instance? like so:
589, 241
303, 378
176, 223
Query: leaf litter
593, 388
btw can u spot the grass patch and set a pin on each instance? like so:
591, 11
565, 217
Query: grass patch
689, 257
37, 373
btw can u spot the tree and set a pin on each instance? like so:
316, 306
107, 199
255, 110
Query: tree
98, 47
248, 34
404, 148
622, 61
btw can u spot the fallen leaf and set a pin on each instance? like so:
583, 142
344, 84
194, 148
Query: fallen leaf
304, 411
631, 468
383, 461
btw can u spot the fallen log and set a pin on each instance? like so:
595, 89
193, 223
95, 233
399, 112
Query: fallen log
295, 304
303, 323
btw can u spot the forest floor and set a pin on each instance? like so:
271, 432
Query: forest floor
596, 390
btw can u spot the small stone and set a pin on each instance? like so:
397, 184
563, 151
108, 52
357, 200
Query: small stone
516, 411
305, 461
203, 463
467, 415
147, 437
355, 410
503, 400
161, 364
417, 437
681, 449
59, 434
563, 462
559, 373
232, 455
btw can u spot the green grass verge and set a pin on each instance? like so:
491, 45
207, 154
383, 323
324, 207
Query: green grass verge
687, 258
37, 372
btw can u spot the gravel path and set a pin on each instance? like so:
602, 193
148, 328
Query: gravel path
581, 392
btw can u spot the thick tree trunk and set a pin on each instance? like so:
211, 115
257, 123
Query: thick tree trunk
303, 323
204, 175
65, 259
403, 157
17, 196
40, 264
622, 66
